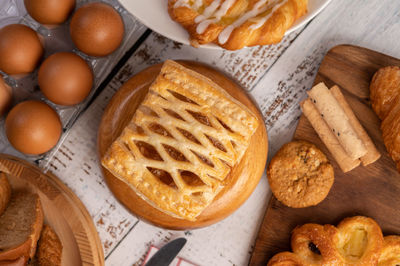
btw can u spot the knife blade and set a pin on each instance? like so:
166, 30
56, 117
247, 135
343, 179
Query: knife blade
165, 255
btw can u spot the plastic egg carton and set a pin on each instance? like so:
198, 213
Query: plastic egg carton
57, 40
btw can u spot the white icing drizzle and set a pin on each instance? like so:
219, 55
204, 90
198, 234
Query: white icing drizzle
257, 9
202, 26
224, 9
199, 18
211, 8
215, 11
196, 4
260, 21
212, 15
208, 11
225, 34
179, 3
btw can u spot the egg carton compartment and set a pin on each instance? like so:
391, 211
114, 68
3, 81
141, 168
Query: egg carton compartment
54, 40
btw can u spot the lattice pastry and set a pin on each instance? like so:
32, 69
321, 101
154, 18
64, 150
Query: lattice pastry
234, 24
182, 142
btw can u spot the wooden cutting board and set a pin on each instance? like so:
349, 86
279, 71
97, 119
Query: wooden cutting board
240, 183
372, 191
63, 211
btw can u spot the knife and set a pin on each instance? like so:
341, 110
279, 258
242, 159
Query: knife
167, 253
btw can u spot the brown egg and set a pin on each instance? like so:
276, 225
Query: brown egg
5, 96
97, 29
33, 127
65, 78
49, 12
20, 49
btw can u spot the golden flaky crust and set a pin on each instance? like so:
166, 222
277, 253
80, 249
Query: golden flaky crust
384, 90
385, 97
5, 192
355, 241
300, 175
286, 259
357, 229
234, 24
391, 132
317, 235
390, 254
181, 142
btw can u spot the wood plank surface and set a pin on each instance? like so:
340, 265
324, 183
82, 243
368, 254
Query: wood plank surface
370, 191
62, 209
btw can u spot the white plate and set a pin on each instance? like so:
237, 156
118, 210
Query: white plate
154, 14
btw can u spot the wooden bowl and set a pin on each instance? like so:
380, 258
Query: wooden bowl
63, 211
243, 178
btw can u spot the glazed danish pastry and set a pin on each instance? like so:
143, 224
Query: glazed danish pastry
182, 142
355, 241
234, 24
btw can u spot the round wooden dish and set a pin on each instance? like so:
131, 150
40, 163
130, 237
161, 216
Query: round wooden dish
243, 178
63, 211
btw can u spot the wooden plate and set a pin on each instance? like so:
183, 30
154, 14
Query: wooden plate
369, 191
243, 178
63, 211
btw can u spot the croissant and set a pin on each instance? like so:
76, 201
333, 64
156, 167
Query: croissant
355, 241
385, 98
234, 24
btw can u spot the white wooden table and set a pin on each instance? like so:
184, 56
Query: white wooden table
277, 77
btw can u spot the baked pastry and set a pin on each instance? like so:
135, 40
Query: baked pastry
182, 142
300, 175
385, 97
49, 250
234, 24
384, 90
390, 254
355, 241
20, 227
5, 192
390, 127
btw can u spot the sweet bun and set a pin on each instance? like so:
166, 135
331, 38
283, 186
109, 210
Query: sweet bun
234, 24
355, 241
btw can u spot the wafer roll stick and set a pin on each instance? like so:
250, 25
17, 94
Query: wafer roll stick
328, 138
338, 122
372, 153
